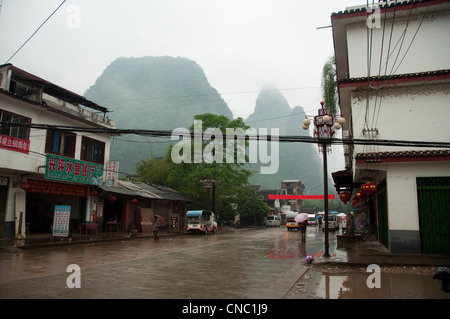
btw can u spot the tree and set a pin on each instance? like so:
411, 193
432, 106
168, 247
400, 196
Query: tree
329, 85
153, 171
251, 207
186, 177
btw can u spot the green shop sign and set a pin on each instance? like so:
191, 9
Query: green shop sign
71, 170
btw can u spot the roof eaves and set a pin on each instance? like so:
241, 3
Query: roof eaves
397, 78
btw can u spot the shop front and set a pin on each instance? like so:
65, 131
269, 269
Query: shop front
42, 197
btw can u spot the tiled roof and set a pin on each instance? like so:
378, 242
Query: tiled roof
399, 4
444, 74
402, 155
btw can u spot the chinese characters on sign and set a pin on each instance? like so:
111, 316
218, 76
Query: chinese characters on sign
35, 186
15, 144
61, 221
173, 224
69, 169
112, 173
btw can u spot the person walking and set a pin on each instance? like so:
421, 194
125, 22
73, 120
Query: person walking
155, 229
303, 226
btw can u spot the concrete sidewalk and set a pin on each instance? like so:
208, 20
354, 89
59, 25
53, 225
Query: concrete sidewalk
47, 240
373, 252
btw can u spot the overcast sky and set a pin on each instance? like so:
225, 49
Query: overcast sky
241, 45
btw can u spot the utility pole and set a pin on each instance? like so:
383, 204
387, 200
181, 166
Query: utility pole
324, 129
325, 193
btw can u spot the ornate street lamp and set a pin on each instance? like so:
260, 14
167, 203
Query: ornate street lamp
324, 128
209, 184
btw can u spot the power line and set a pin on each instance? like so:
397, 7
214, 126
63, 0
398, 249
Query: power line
36, 31
281, 138
404, 55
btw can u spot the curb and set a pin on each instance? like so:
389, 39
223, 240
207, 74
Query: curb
84, 242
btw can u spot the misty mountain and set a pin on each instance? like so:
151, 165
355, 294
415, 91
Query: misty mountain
297, 160
271, 110
163, 93
153, 93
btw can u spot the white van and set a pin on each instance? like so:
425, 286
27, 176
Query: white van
201, 221
332, 223
272, 221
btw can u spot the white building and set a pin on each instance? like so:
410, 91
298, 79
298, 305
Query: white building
42, 166
393, 72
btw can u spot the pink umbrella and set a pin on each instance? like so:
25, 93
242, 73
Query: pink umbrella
300, 218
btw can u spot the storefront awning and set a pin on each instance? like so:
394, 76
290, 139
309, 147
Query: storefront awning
144, 190
343, 181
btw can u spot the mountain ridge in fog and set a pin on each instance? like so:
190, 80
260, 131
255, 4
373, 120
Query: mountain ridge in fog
163, 93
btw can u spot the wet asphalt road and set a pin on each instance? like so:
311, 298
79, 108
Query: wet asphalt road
261, 263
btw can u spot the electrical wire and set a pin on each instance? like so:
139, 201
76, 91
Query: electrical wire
48, 18
404, 55
276, 138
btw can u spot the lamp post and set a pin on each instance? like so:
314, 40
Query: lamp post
209, 184
324, 129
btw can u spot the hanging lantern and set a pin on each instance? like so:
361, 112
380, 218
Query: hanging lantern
360, 195
134, 200
26, 186
345, 197
94, 193
112, 199
369, 188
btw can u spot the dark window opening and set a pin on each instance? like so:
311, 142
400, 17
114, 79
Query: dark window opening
92, 150
60, 143
17, 132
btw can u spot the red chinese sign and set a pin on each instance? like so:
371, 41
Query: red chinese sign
35, 186
14, 144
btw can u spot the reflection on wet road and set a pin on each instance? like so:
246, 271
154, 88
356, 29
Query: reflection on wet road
393, 285
262, 263
244, 264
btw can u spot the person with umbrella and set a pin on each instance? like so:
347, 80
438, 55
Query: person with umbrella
302, 220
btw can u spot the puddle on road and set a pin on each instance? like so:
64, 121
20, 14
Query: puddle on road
352, 284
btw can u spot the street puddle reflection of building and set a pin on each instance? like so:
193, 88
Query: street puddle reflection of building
353, 285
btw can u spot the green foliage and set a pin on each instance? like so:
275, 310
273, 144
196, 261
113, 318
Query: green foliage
251, 207
329, 85
231, 178
153, 171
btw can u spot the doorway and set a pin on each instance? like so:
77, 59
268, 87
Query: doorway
433, 200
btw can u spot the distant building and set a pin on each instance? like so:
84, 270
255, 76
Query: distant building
292, 187
393, 74
287, 187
